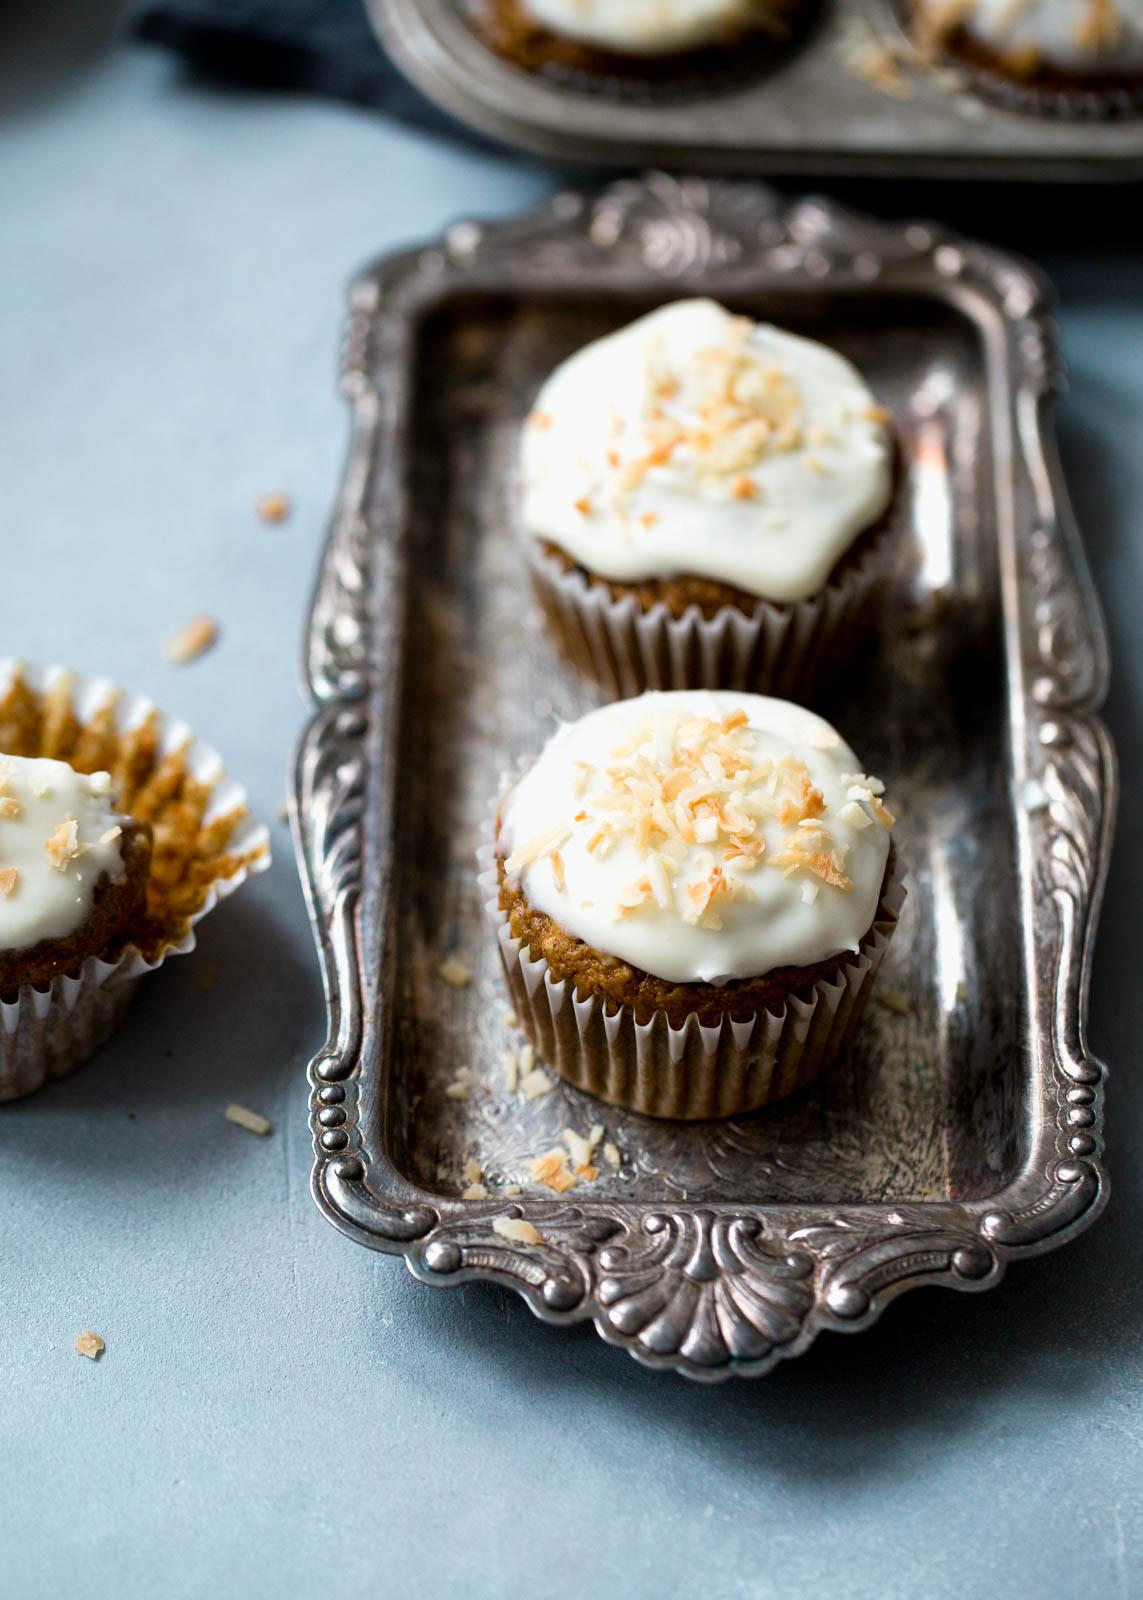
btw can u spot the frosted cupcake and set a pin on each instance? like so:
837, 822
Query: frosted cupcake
692, 892
1069, 48
118, 833
704, 500
621, 36
73, 872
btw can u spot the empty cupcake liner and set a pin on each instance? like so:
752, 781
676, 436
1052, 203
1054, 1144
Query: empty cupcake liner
46, 1033
773, 649
690, 1071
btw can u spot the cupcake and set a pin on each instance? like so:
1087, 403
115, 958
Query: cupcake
118, 833
704, 501
73, 872
606, 38
1083, 52
692, 892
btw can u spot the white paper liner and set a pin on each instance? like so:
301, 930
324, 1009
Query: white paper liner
774, 649
48, 1033
692, 1071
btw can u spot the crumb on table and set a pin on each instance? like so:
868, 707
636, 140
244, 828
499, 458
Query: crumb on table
89, 1344
252, 1121
192, 640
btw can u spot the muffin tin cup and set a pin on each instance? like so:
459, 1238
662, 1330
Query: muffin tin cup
47, 1032
691, 1071
773, 649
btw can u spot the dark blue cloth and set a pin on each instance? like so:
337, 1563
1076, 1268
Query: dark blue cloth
318, 46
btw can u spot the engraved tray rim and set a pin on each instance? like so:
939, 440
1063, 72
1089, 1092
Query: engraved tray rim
803, 1267
773, 134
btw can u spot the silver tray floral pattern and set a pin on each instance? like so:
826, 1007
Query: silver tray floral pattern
964, 1130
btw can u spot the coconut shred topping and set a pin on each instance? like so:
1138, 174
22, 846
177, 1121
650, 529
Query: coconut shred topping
653, 27
1075, 36
695, 442
701, 836
58, 835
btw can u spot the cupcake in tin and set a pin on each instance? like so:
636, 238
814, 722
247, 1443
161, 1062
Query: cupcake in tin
605, 38
704, 500
118, 833
1069, 48
692, 892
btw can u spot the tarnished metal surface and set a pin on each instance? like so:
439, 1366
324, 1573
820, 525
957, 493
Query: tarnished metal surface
813, 113
964, 1129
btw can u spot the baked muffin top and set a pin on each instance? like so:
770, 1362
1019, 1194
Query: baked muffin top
701, 836
1077, 37
653, 27
59, 834
695, 442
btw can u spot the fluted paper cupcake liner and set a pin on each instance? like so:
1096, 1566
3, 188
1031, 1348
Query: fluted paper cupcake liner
46, 1033
773, 649
689, 1071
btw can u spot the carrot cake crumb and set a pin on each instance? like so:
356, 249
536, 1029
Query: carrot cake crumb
89, 1344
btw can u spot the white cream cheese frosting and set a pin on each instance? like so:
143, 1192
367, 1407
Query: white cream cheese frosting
59, 834
693, 442
1078, 37
700, 835
653, 27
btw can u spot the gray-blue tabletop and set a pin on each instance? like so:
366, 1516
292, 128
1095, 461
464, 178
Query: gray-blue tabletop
281, 1413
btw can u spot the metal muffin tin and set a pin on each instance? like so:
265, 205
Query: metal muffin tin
963, 1131
810, 114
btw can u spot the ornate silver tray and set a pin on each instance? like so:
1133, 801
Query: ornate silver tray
964, 1130
812, 113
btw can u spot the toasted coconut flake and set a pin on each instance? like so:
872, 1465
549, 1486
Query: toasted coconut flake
63, 845
611, 1154
517, 1229
474, 1191
512, 1188
89, 1344
552, 1170
881, 811
461, 1085
527, 1057
582, 1150
455, 972
511, 1067
511, 1020
541, 844
10, 809
535, 1084
855, 814
471, 1171
192, 641
9, 878
252, 1121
